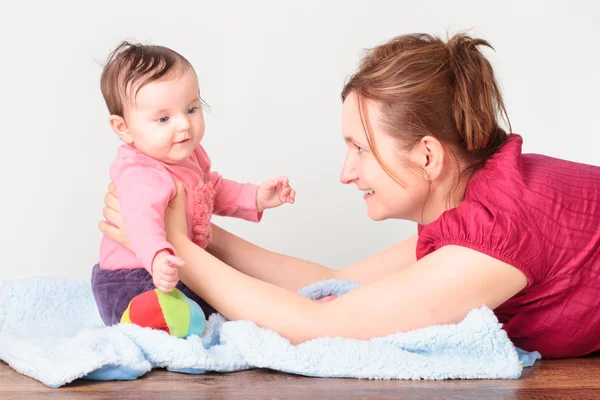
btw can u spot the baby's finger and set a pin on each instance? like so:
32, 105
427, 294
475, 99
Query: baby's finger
292, 197
271, 182
163, 288
170, 281
166, 285
174, 261
285, 191
169, 272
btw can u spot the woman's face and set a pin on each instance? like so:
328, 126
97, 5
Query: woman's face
385, 198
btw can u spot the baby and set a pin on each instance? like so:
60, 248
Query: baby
155, 107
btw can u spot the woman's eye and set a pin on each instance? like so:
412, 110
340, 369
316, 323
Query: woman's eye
360, 149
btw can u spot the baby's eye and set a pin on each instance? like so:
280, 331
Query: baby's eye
192, 110
163, 119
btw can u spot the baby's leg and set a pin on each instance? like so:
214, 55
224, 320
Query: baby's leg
129, 296
114, 290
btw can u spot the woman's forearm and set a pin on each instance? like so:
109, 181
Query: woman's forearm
287, 272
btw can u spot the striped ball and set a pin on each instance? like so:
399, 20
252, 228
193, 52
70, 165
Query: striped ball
172, 312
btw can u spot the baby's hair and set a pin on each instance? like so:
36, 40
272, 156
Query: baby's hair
131, 66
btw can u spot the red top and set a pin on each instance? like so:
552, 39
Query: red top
542, 216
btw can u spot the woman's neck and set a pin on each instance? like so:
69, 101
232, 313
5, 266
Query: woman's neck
446, 193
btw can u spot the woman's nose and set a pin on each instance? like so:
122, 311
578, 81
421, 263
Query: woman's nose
348, 174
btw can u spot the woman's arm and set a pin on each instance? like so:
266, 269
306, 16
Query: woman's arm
285, 271
293, 273
439, 289
382, 264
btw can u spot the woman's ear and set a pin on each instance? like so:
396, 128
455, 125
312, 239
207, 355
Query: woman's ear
117, 123
431, 155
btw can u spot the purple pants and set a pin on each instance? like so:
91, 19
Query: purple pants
113, 290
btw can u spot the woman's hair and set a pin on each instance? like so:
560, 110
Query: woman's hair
425, 86
132, 66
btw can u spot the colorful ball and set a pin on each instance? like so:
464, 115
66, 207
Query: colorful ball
172, 312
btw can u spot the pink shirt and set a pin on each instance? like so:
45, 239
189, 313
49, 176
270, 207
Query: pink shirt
145, 186
542, 216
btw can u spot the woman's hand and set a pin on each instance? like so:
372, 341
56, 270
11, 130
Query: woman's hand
113, 227
326, 299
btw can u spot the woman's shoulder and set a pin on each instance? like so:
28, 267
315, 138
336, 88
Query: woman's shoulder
492, 219
516, 204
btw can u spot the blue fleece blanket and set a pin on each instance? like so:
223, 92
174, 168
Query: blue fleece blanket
50, 330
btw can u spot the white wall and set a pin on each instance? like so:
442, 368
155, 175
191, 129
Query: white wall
272, 72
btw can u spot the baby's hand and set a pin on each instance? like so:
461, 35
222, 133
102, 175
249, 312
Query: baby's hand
165, 274
274, 193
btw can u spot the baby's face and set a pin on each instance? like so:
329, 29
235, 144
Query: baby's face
165, 120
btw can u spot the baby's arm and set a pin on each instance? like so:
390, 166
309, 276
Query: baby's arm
235, 199
144, 189
232, 199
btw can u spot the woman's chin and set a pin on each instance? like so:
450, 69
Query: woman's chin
375, 214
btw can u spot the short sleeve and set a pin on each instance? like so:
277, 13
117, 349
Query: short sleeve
499, 234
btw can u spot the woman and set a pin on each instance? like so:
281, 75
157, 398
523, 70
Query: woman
518, 233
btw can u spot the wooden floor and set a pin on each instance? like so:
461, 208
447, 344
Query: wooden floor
548, 379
